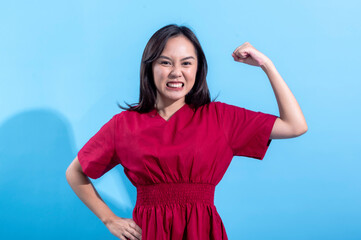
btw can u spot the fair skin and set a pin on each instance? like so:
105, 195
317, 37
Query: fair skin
291, 122
178, 63
123, 228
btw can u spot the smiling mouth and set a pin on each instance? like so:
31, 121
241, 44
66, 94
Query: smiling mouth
175, 85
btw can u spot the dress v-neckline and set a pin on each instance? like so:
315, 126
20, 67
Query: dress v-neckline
171, 117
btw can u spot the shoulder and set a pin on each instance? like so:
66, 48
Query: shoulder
130, 117
214, 104
218, 104
221, 106
218, 112
127, 114
216, 109
119, 117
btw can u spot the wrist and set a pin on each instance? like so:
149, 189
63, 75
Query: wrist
267, 65
108, 219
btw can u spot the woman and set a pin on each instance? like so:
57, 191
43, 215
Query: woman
176, 144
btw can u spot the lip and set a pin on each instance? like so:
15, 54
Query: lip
175, 82
175, 89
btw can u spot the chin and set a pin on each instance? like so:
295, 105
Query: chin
174, 97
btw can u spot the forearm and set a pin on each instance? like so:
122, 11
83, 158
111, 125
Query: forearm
289, 109
85, 190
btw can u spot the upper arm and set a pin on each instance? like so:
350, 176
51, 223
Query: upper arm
282, 129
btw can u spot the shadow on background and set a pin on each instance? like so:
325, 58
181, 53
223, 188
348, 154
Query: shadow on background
36, 202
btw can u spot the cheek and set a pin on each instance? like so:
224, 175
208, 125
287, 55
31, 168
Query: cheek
155, 72
159, 73
191, 73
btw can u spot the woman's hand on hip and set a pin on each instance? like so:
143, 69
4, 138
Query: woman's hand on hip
124, 228
246, 53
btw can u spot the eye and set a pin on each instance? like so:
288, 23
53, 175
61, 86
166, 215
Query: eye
187, 63
164, 62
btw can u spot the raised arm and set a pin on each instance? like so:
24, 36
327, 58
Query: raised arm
291, 122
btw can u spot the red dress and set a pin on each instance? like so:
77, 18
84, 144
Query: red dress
176, 164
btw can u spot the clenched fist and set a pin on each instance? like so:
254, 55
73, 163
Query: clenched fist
246, 53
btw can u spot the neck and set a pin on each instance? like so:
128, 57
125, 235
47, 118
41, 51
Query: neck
167, 109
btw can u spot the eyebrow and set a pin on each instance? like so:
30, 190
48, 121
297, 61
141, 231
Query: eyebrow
181, 59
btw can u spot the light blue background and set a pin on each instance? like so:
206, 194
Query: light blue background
65, 64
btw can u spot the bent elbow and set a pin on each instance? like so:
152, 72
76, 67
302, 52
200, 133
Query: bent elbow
301, 130
68, 173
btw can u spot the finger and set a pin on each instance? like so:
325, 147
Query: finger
135, 226
123, 238
237, 49
242, 53
234, 55
242, 46
133, 233
238, 59
128, 236
138, 229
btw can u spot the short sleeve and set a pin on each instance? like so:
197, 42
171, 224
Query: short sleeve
98, 155
247, 132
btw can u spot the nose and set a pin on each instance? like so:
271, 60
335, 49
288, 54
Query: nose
176, 72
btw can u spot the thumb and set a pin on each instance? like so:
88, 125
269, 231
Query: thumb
237, 58
242, 54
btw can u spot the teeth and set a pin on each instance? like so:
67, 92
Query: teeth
175, 85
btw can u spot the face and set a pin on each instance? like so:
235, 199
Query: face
175, 70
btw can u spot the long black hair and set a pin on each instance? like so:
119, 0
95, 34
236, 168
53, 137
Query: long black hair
199, 95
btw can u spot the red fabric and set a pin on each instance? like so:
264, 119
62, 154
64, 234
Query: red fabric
176, 164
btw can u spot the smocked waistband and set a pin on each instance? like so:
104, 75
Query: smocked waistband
168, 193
